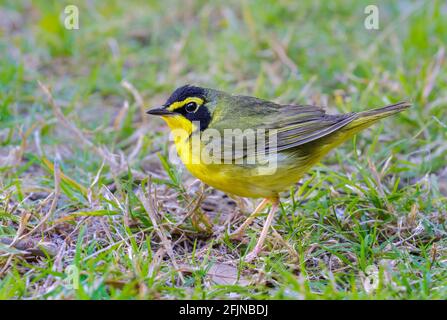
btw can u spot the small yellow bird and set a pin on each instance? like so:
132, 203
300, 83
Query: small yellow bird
279, 142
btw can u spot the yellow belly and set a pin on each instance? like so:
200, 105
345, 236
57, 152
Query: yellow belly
248, 180
253, 181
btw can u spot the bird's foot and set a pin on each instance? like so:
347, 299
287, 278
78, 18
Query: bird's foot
252, 255
236, 235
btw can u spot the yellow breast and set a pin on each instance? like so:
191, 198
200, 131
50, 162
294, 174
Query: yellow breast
244, 181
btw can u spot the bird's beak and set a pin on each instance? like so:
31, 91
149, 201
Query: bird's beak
161, 111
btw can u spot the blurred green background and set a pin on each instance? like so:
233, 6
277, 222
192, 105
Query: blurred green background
316, 52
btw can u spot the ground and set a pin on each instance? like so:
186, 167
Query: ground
91, 207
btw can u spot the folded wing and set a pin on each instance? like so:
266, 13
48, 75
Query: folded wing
281, 127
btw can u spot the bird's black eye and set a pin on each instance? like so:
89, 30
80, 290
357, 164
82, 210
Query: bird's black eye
191, 107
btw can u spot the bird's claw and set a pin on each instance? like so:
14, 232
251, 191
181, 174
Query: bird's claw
236, 236
251, 256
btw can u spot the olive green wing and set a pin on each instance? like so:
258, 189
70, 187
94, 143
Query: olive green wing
304, 128
282, 126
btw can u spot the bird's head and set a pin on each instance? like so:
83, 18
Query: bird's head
187, 107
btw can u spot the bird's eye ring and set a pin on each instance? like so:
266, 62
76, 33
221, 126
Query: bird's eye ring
191, 107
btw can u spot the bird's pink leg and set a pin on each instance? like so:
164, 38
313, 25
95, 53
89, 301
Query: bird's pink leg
237, 234
258, 248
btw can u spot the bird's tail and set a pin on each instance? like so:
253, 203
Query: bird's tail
366, 118
360, 121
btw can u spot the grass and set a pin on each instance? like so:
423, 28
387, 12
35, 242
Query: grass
85, 183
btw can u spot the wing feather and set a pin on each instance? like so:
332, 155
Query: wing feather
293, 125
